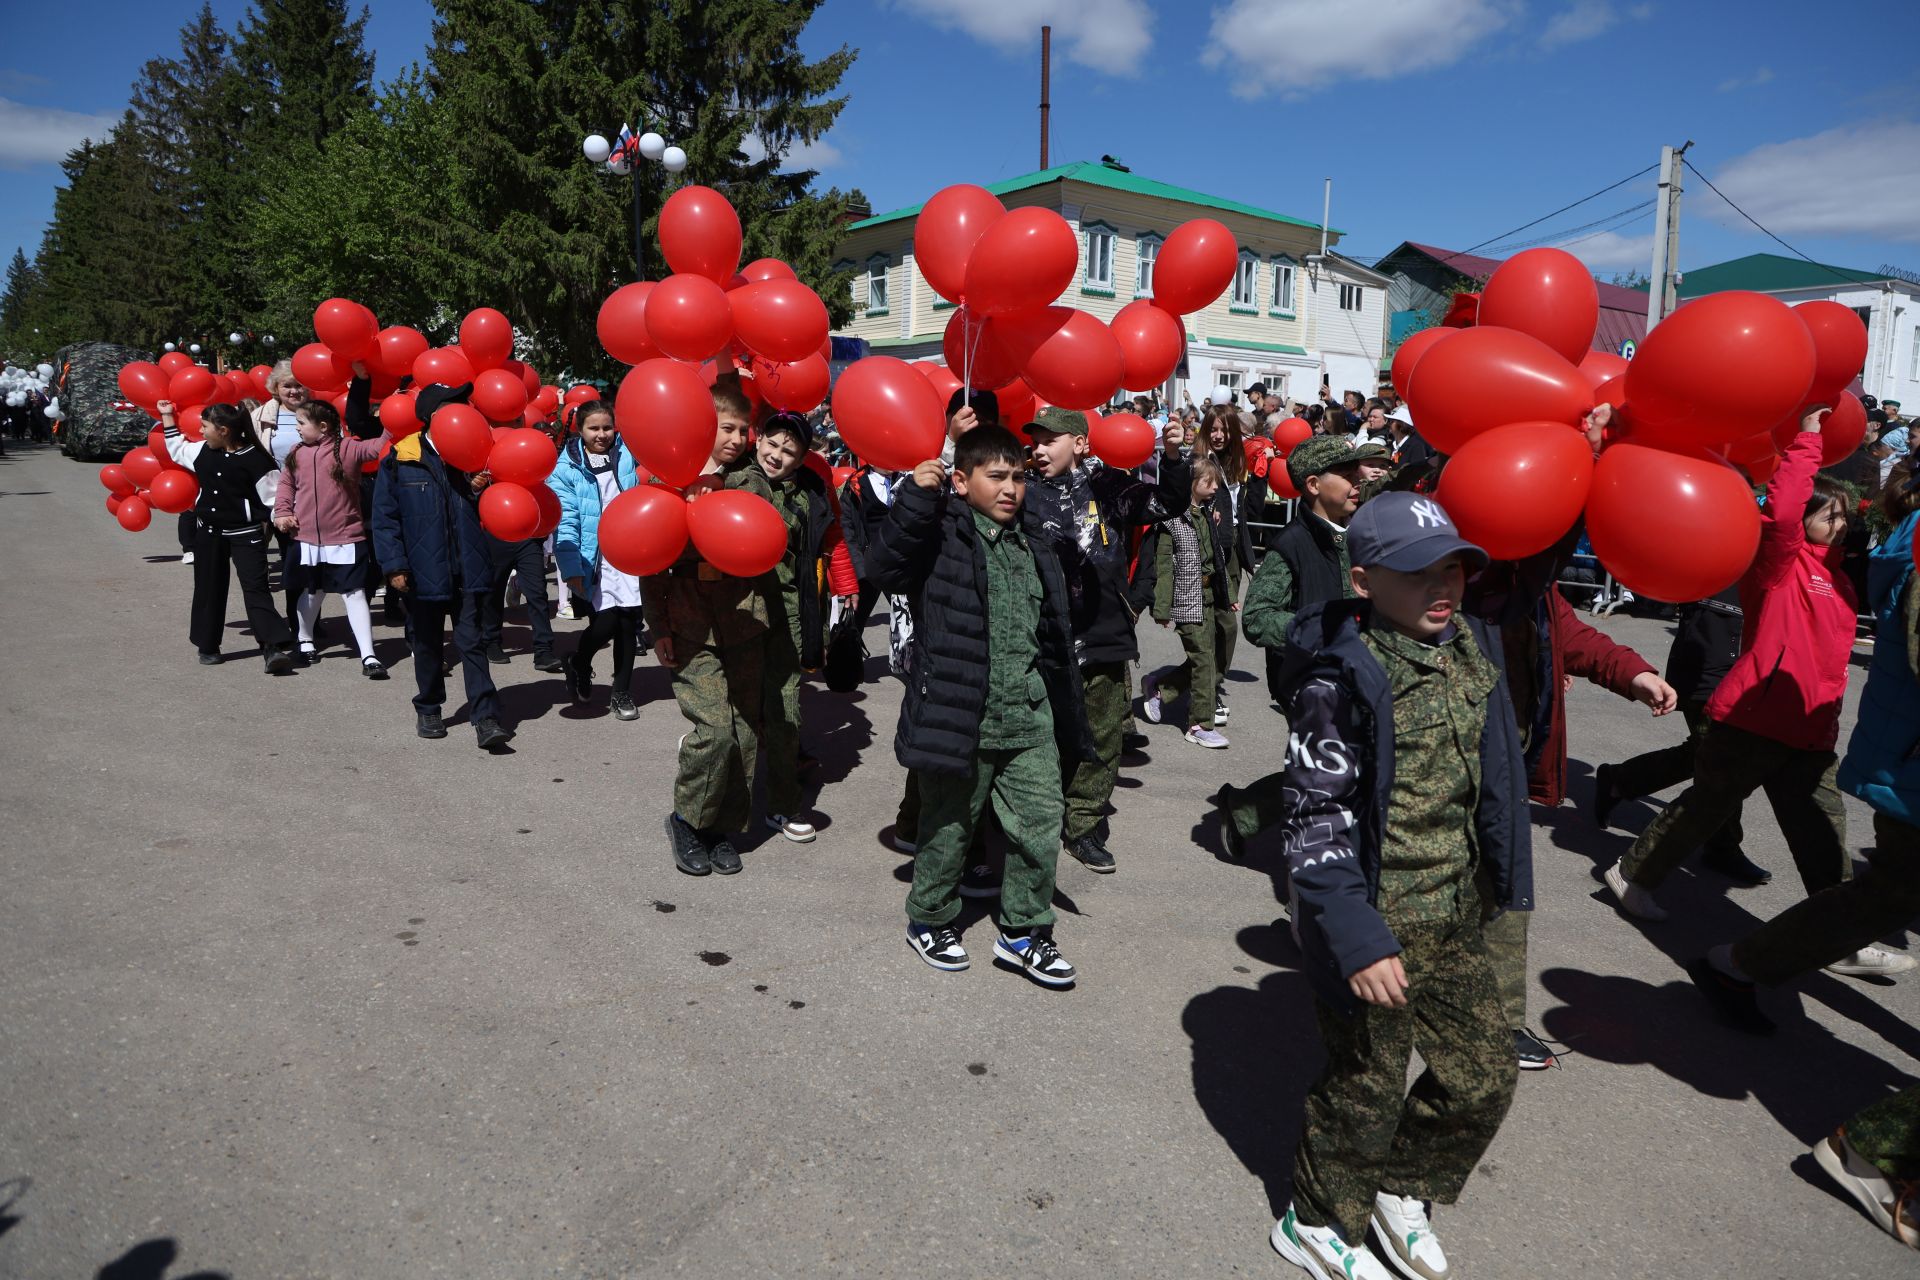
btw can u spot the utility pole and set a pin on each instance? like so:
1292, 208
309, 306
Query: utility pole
1666, 237
1046, 84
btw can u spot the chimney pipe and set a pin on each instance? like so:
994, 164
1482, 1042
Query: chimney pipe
1046, 81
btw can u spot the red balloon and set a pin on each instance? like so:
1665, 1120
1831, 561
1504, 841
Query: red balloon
1720, 368
133, 514
529, 376
174, 361
622, 324
1152, 340
258, 375
194, 384
1670, 526
780, 320
348, 328
486, 336
509, 512
644, 530
1123, 440
1023, 261
141, 466
1613, 392
1194, 266
700, 235
550, 510
992, 366
1481, 377
1547, 294
1412, 347
767, 269
114, 476
397, 415
799, 387
447, 366
499, 395
395, 350
1839, 346
173, 491
157, 446
1018, 404
524, 456
1515, 490
114, 500
461, 436
736, 532
1602, 367
945, 233
888, 414
941, 379
581, 393
318, 369
1280, 481
1840, 434
688, 317
145, 384
665, 414
1066, 356
1290, 433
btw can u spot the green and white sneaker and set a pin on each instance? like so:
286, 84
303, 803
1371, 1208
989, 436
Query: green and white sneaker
1411, 1247
1321, 1253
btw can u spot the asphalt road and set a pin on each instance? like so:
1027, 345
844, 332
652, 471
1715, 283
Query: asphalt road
285, 991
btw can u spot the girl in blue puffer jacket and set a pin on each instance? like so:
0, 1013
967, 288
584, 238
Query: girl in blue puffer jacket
593, 471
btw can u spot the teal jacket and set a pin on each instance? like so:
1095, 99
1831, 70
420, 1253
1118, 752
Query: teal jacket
576, 540
1883, 757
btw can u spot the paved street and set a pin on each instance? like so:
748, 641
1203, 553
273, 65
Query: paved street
289, 992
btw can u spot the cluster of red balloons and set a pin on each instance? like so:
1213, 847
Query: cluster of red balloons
191, 387
145, 480
1004, 268
1720, 384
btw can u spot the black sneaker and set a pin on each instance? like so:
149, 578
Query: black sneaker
279, 661
490, 734
725, 858
211, 659
689, 850
1231, 841
938, 945
497, 654
622, 705
1603, 796
544, 660
305, 657
579, 680
979, 882
428, 724
1731, 998
1037, 957
1091, 854
1736, 866
1532, 1051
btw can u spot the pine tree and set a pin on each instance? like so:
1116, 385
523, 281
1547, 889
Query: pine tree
304, 73
22, 282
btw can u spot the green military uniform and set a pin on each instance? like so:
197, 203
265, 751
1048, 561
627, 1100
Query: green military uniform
718, 625
1017, 765
1106, 693
1199, 675
780, 741
1888, 1134
1367, 1132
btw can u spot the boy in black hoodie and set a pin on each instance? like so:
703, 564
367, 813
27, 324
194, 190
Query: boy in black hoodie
1407, 784
993, 699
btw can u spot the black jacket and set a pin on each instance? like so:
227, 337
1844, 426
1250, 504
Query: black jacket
928, 550
1705, 645
1340, 757
1306, 547
860, 510
229, 499
807, 576
1089, 515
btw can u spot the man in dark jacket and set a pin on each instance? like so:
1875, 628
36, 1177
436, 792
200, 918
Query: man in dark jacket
1089, 514
429, 541
993, 697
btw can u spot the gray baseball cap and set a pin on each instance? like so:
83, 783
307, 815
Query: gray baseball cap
1406, 532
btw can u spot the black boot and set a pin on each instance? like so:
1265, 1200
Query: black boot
689, 849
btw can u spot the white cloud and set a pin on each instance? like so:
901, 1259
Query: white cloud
1585, 20
1611, 251
1858, 180
1754, 80
44, 135
1107, 35
818, 154
1344, 40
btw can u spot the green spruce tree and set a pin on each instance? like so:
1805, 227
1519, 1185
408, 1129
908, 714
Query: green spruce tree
22, 284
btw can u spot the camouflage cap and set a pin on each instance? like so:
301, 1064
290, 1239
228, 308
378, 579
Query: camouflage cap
1319, 454
1066, 422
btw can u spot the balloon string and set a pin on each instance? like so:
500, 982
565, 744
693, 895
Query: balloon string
972, 344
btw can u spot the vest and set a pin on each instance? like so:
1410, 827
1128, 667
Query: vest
1883, 757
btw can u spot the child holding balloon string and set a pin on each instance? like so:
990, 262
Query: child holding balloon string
318, 503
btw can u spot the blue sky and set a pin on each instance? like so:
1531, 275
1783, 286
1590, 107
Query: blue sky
1444, 121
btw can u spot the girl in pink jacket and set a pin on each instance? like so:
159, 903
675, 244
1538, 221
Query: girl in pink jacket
319, 503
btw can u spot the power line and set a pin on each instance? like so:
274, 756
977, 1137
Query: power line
1505, 235
1627, 214
1834, 271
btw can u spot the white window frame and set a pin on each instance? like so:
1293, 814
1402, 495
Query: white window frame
1247, 270
1284, 269
1359, 296
1146, 250
1276, 380
1098, 240
879, 296
1234, 380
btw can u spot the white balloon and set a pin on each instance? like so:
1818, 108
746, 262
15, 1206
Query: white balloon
44, 370
234, 338
169, 346
195, 348
1223, 395
674, 159
652, 145
597, 148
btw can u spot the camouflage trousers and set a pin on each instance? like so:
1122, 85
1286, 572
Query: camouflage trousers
719, 692
1090, 783
1888, 1134
780, 739
1197, 676
1843, 918
1366, 1132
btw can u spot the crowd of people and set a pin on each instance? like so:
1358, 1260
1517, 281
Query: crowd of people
1424, 687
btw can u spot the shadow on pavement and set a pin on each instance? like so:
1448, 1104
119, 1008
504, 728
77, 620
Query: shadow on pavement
149, 1260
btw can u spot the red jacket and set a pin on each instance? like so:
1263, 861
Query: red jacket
1578, 650
1797, 636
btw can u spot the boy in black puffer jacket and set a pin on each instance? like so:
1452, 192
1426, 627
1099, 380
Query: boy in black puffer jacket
993, 699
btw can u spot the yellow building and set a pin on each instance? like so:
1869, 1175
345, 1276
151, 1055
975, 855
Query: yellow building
1290, 319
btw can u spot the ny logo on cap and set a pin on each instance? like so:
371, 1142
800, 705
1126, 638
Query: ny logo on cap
1427, 512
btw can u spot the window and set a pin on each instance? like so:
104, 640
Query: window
1276, 384
1283, 269
1913, 364
1244, 282
1231, 380
877, 285
1148, 250
1099, 273
1350, 297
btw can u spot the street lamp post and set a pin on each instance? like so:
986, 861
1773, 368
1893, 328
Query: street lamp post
631, 159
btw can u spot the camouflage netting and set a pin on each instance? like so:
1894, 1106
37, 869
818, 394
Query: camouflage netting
100, 425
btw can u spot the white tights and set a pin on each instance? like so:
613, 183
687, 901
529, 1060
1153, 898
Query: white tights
306, 613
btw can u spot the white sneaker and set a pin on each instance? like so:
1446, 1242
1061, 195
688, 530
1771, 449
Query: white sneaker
1868, 1186
905, 845
565, 610
1220, 716
1201, 736
1633, 900
186, 557
1412, 1248
1872, 962
1321, 1253
1151, 709
792, 828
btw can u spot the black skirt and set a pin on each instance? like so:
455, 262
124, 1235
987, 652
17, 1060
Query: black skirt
334, 578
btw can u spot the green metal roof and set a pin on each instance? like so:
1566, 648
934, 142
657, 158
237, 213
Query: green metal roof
1769, 273
1104, 175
